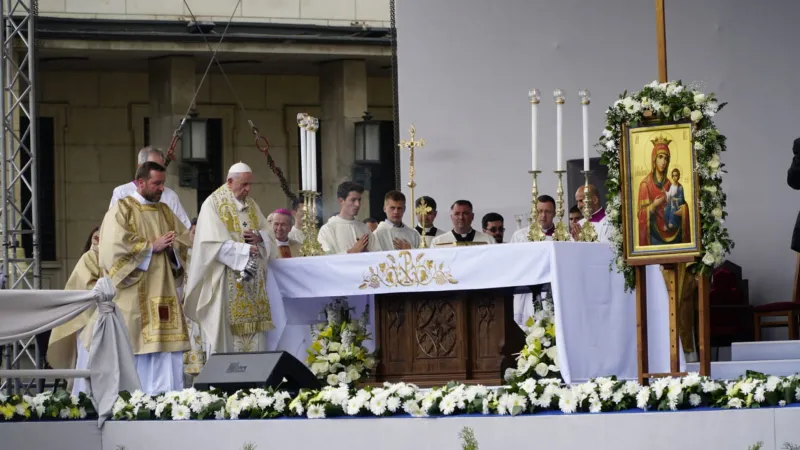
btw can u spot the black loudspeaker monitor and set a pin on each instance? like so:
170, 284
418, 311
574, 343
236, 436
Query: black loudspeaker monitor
230, 372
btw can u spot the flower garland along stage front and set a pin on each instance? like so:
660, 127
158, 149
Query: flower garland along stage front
337, 355
526, 397
671, 102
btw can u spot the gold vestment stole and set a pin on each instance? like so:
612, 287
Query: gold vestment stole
248, 305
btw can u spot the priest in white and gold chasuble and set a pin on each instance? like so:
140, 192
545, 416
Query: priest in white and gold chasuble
142, 249
226, 289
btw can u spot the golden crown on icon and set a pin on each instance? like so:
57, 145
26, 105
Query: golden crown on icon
661, 140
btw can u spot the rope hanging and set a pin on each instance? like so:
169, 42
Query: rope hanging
261, 142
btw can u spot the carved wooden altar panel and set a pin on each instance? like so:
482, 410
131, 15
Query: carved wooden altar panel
442, 336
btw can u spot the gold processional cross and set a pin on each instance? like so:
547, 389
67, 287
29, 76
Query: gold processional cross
411, 145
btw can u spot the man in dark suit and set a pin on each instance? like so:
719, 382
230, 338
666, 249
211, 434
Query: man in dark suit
793, 178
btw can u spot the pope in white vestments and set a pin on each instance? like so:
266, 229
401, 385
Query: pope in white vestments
168, 197
462, 216
343, 233
226, 288
392, 233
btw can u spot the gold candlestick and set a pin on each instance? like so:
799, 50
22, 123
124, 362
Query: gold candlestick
588, 233
423, 209
535, 233
311, 245
561, 232
412, 145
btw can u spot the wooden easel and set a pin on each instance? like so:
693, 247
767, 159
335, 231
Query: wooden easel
670, 272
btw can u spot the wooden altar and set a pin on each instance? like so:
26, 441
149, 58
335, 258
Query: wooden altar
435, 337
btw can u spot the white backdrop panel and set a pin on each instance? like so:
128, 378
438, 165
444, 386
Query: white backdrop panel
466, 67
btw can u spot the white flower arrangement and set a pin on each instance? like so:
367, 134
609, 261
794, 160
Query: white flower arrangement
337, 355
59, 405
539, 358
671, 102
177, 405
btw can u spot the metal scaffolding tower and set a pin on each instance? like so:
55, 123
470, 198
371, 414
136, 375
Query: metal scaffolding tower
18, 151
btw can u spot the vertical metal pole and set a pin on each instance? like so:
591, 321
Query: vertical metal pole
33, 130
4, 155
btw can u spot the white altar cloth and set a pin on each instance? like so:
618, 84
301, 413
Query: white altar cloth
595, 318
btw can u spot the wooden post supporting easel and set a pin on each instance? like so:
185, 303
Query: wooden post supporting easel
670, 273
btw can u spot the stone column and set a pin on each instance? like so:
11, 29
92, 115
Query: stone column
343, 98
171, 82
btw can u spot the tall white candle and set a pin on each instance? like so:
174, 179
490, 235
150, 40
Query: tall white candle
586, 137
559, 137
313, 152
585, 99
303, 157
533, 97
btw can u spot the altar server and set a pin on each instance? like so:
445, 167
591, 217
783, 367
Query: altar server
392, 233
428, 218
281, 224
142, 248
298, 212
598, 218
462, 216
546, 213
343, 233
226, 289
169, 197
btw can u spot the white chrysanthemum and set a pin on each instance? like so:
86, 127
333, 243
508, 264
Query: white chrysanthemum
759, 394
618, 396
181, 412
797, 393
405, 391
528, 385
393, 404
316, 412
377, 405
772, 383
695, 400
735, 403
595, 405
782, 403
567, 402
413, 409
643, 398
710, 386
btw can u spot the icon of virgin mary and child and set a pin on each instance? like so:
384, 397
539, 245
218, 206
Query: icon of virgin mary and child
663, 214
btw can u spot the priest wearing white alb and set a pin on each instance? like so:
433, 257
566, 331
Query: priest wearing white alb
169, 197
343, 233
598, 218
462, 216
392, 233
226, 289
545, 215
428, 218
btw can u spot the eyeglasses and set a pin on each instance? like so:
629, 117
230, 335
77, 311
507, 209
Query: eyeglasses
496, 229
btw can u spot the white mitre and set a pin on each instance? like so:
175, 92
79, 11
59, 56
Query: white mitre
240, 167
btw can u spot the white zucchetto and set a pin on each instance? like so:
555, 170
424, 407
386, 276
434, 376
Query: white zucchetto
240, 167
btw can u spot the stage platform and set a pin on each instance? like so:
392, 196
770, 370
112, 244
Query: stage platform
694, 429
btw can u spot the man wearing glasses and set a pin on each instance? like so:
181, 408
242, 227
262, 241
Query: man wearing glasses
493, 226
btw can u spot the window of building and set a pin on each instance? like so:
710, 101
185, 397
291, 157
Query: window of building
46, 183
